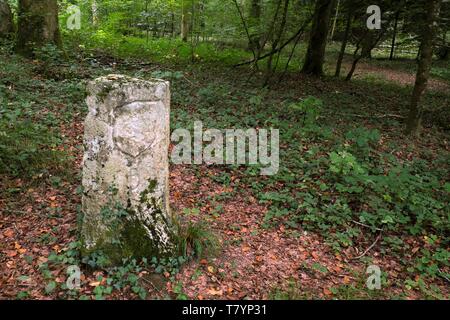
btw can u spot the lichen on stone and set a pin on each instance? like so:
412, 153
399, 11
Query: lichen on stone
104, 92
126, 145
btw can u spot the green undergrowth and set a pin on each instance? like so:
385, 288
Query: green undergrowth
347, 172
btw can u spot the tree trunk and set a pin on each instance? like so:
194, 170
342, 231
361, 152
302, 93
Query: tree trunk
38, 25
367, 45
443, 51
94, 8
414, 121
335, 20
344, 42
275, 42
254, 25
397, 15
172, 24
6, 20
315, 55
185, 23
147, 33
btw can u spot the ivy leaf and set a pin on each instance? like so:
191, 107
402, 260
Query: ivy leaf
447, 187
50, 287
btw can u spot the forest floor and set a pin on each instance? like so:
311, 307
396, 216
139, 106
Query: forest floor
400, 77
259, 257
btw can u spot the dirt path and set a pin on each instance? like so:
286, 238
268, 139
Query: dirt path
400, 77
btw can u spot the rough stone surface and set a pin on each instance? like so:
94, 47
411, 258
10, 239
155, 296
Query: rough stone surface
6, 20
125, 168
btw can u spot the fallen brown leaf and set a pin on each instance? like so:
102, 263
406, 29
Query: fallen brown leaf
214, 292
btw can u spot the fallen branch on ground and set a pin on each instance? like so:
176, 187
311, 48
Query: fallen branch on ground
369, 248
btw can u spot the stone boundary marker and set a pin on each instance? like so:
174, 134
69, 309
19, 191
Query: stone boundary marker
125, 169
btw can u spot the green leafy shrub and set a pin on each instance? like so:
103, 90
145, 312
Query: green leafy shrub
344, 163
26, 147
308, 110
363, 141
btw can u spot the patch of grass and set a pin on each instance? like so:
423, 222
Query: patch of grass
196, 239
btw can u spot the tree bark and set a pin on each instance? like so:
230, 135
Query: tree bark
315, 55
414, 121
275, 42
348, 26
335, 20
367, 45
185, 23
254, 25
6, 20
172, 24
38, 25
94, 8
394, 36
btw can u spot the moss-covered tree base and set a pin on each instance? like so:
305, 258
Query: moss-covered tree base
37, 25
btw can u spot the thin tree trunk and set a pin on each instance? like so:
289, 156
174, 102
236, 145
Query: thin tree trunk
147, 33
276, 41
94, 8
202, 23
315, 55
246, 28
397, 16
281, 47
414, 121
192, 27
367, 44
335, 20
344, 42
267, 35
353, 68
254, 25
357, 58
363, 41
172, 24
185, 17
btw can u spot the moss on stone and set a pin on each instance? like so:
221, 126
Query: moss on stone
106, 89
136, 242
152, 184
131, 237
133, 241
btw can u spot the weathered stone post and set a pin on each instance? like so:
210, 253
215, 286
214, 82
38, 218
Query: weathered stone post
125, 169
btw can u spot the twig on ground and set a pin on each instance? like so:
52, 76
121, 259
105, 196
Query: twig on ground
151, 283
365, 225
380, 116
443, 275
369, 248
